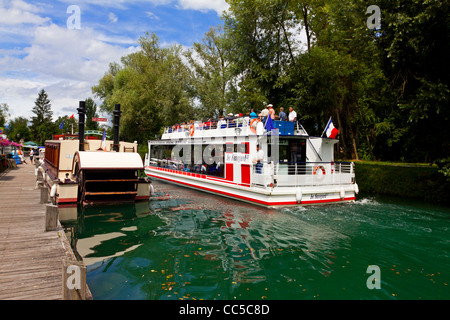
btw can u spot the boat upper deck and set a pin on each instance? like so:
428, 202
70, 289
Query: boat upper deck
243, 126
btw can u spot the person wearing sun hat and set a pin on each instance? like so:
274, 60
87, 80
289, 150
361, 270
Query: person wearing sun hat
271, 112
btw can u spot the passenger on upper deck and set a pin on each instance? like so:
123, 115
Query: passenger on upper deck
282, 114
253, 114
208, 124
272, 112
292, 114
221, 122
238, 118
264, 114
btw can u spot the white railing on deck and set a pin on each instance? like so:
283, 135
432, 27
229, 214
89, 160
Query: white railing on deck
238, 126
304, 174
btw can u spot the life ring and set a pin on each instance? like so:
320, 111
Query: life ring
253, 129
316, 168
191, 130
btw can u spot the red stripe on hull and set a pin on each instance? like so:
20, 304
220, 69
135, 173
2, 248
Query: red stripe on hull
67, 200
233, 195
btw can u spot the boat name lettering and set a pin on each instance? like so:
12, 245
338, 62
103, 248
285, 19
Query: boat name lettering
236, 157
318, 196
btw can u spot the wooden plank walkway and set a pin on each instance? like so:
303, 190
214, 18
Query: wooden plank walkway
30, 258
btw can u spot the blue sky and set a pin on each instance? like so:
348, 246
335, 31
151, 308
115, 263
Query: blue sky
39, 51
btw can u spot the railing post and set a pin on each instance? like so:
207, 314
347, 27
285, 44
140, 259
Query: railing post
295, 174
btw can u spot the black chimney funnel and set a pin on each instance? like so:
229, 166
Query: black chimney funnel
81, 113
117, 114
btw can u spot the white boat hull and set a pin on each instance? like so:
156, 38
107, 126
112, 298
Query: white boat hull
268, 197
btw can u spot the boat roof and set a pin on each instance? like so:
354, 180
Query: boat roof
109, 160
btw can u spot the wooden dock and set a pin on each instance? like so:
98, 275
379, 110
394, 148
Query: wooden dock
30, 258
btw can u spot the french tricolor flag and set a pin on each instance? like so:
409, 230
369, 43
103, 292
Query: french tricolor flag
330, 130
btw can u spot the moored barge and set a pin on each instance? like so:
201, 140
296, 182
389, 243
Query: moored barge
93, 171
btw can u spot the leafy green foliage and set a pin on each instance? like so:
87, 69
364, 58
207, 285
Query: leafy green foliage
388, 90
151, 85
42, 125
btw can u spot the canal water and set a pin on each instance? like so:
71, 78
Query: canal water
185, 244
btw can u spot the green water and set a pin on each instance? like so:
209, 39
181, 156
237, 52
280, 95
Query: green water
185, 244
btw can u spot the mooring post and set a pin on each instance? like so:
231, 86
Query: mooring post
74, 280
39, 180
116, 124
44, 195
51, 217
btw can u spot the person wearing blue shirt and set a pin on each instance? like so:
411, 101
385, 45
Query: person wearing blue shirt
253, 114
282, 114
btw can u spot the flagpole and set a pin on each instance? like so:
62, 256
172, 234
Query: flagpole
325, 127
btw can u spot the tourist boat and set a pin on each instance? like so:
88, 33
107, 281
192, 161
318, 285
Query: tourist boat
89, 171
219, 157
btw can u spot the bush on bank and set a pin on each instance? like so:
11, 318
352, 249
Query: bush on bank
408, 181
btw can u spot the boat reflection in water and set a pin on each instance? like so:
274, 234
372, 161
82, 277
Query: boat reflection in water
174, 247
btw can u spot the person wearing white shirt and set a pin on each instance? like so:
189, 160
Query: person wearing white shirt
265, 112
221, 122
258, 159
292, 114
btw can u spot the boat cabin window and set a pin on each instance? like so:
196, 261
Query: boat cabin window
52, 154
292, 150
189, 159
237, 147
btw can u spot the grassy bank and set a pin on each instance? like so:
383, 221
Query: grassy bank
415, 181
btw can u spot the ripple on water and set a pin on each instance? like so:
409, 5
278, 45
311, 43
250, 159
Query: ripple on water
193, 245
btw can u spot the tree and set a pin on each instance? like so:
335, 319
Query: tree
42, 125
152, 88
4, 108
18, 129
213, 80
68, 124
416, 40
91, 112
261, 32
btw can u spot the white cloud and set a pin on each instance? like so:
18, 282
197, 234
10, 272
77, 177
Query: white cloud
71, 54
151, 15
19, 95
66, 63
203, 5
16, 12
112, 17
36, 53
